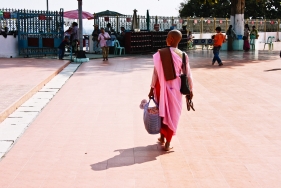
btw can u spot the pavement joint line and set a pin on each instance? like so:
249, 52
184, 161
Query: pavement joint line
13, 126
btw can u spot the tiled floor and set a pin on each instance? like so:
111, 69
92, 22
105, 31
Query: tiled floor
21, 78
92, 135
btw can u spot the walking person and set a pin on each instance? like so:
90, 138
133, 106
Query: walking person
246, 46
166, 84
219, 38
231, 35
102, 38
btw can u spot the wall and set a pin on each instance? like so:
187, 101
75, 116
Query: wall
8, 46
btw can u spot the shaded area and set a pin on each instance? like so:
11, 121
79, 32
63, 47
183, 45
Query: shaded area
272, 70
128, 157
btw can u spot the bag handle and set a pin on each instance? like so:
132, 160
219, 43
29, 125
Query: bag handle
183, 63
154, 102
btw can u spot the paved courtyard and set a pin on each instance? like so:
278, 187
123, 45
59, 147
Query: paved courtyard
91, 133
21, 78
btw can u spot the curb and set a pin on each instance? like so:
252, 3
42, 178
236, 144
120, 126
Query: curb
28, 95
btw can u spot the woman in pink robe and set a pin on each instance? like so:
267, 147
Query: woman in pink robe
167, 93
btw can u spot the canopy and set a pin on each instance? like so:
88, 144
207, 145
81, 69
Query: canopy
74, 14
108, 13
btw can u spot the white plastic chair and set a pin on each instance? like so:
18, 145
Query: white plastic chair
269, 42
118, 47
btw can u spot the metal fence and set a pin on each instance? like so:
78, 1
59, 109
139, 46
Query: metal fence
126, 21
196, 25
39, 32
8, 18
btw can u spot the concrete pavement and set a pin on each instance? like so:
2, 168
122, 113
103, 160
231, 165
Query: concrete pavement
91, 133
21, 78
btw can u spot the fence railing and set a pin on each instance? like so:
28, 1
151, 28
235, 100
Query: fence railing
39, 32
196, 25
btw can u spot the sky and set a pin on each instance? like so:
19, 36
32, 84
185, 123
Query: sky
155, 7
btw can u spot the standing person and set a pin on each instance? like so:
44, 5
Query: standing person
102, 38
231, 35
74, 37
254, 33
167, 91
189, 40
121, 36
246, 46
219, 38
109, 29
62, 47
67, 33
95, 35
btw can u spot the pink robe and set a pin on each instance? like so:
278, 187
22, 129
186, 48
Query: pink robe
170, 103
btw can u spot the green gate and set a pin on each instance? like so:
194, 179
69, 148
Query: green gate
39, 32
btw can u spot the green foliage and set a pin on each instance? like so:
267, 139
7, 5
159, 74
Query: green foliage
270, 9
207, 8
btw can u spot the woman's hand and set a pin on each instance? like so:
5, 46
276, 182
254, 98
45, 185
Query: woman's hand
151, 93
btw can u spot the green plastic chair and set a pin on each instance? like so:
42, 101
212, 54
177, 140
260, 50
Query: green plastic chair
118, 47
269, 42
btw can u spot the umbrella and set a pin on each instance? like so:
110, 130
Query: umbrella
74, 14
108, 13
147, 20
135, 21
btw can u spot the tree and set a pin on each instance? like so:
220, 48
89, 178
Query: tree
194, 8
235, 9
270, 9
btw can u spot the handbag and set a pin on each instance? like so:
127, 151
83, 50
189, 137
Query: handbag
152, 120
185, 90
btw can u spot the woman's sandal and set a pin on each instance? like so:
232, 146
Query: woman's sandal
162, 142
167, 147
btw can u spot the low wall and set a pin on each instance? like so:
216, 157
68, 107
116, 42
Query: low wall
8, 46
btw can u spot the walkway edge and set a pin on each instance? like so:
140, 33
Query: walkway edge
28, 95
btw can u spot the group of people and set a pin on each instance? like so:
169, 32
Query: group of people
103, 38
219, 38
70, 39
249, 34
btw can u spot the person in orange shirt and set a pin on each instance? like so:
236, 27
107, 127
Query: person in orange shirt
219, 38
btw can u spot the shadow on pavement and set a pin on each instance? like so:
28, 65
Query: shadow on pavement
272, 70
131, 156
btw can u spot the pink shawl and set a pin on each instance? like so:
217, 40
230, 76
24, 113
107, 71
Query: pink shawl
170, 96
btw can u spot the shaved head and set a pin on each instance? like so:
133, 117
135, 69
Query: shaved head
173, 38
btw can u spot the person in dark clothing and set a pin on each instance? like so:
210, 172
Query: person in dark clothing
62, 47
95, 34
231, 35
121, 36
